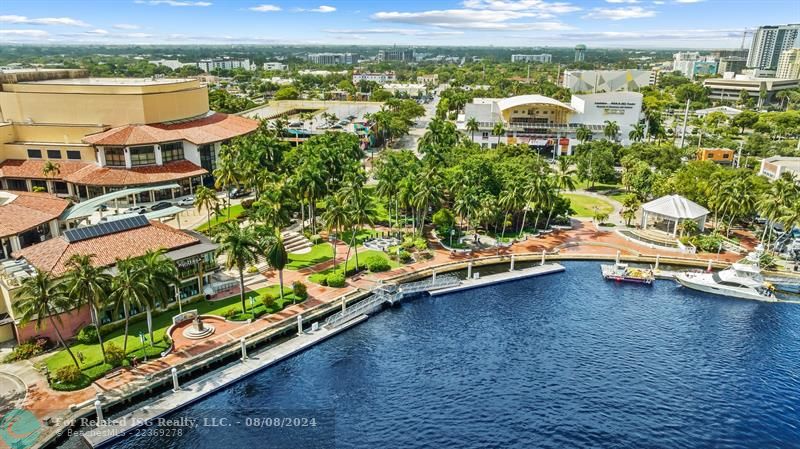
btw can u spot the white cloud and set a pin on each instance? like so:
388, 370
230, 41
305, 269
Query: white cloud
400, 31
658, 2
689, 1
324, 9
67, 21
265, 8
633, 12
139, 35
97, 32
24, 33
522, 5
700, 35
622, 1
126, 26
172, 3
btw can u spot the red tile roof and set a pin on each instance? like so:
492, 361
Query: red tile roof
32, 168
29, 210
151, 174
52, 255
213, 128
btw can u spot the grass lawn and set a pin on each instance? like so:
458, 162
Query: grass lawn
598, 187
317, 278
92, 366
222, 217
361, 236
319, 253
584, 205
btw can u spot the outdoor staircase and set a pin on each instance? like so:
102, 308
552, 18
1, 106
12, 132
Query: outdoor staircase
296, 242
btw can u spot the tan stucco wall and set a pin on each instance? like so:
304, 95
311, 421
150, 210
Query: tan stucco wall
99, 104
555, 114
54, 134
7, 133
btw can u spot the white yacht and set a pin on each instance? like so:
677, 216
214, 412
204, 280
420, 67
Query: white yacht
741, 280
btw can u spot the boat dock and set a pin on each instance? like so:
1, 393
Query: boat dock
475, 282
115, 428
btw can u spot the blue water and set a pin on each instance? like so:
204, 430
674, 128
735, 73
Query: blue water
562, 361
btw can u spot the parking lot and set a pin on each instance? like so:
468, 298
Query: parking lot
322, 112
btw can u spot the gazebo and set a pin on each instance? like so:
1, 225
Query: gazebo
673, 209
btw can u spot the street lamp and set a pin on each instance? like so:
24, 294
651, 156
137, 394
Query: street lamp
142, 339
452, 233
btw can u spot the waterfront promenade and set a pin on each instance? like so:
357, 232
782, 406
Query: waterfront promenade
582, 242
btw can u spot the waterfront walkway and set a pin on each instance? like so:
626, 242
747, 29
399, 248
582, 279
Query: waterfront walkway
582, 242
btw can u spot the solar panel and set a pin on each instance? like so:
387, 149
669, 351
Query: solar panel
101, 229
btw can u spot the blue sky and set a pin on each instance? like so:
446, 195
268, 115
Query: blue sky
597, 23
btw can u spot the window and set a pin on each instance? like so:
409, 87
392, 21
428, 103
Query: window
54, 154
115, 157
208, 158
725, 156
485, 135
711, 155
74, 155
172, 152
34, 154
143, 156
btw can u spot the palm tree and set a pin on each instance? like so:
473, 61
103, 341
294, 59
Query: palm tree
509, 200
583, 134
429, 193
42, 297
226, 175
241, 247
472, 127
637, 133
336, 217
563, 179
86, 284
129, 290
277, 257
51, 168
610, 130
361, 212
161, 276
498, 130
205, 198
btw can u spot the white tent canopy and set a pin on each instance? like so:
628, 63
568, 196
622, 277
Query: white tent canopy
675, 209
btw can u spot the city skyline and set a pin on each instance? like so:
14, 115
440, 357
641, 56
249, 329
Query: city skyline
695, 24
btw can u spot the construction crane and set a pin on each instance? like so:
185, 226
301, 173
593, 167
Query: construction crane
744, 37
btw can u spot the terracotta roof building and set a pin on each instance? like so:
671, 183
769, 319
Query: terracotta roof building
27, 218
109, 133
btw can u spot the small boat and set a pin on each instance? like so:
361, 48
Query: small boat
621, 272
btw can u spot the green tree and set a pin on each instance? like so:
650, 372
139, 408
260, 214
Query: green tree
287, 93
277, 257
472, 127
161, 276
611, 130
129, 290
637, 133
205, 198
336, 217
498, 130
583, 134
241, 247
86, 284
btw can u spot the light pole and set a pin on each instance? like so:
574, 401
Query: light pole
452, 232
142, 339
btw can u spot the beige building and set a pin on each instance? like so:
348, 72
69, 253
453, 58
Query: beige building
789, 65
105, 134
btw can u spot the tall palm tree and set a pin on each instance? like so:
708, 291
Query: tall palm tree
611, 130
562, 179
335, 217
509, 200
498, 130
51, 169
361, 212
429, 193
161, 276
241, 247
205, 198
129, 290
277, 257
42, 297
583, 134
226, 175
472, 127
86, 284
637, 133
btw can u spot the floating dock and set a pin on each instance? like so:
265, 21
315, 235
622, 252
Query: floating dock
116, 428
491, 279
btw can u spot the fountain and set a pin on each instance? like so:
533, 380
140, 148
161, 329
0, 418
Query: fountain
198, 329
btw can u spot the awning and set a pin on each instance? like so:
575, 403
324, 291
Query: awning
87, 208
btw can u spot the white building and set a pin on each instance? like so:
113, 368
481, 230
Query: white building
789, 65
412, 90
209, 65
543, 58
730, 88
331, 58
380, 78
607, 80
691, 64
548, 125
773, 167
768, 44
275, 66
431, 79
173, 64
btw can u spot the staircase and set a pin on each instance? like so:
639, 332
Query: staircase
296, 243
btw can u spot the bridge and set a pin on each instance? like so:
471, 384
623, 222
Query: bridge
389, 294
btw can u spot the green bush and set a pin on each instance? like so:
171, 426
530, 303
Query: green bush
316, 239
247, 203
26, 350
443, 220
252, 269
68, 374
230, 313
88, 335
420, 244
336, 279
114, 354
405, 257
300, 290
377, 263
267, 300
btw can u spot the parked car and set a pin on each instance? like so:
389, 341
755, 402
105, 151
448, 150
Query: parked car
136, 210
322, 126
238, 193
343, 122
161, 205
296, 125
186, 201
336, 127
102, 208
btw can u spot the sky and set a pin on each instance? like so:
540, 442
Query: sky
506, 23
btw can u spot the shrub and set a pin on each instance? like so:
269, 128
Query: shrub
405, 256
336, 279
420, 244
376, 263
26, 350
316, 239
230, 313
248, 203
267, 299
408, 243
88, 335
68, 374
114, 354
443, 219
252, 269
300, 290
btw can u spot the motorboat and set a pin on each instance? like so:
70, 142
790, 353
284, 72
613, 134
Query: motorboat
621, 272
741, 280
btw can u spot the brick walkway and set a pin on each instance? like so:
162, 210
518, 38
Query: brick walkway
582, 240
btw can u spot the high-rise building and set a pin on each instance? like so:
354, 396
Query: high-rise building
209, 65
691, 64
331, 58
789, 64
543, 58
396, 54
768, 44
732, 64
580, 53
